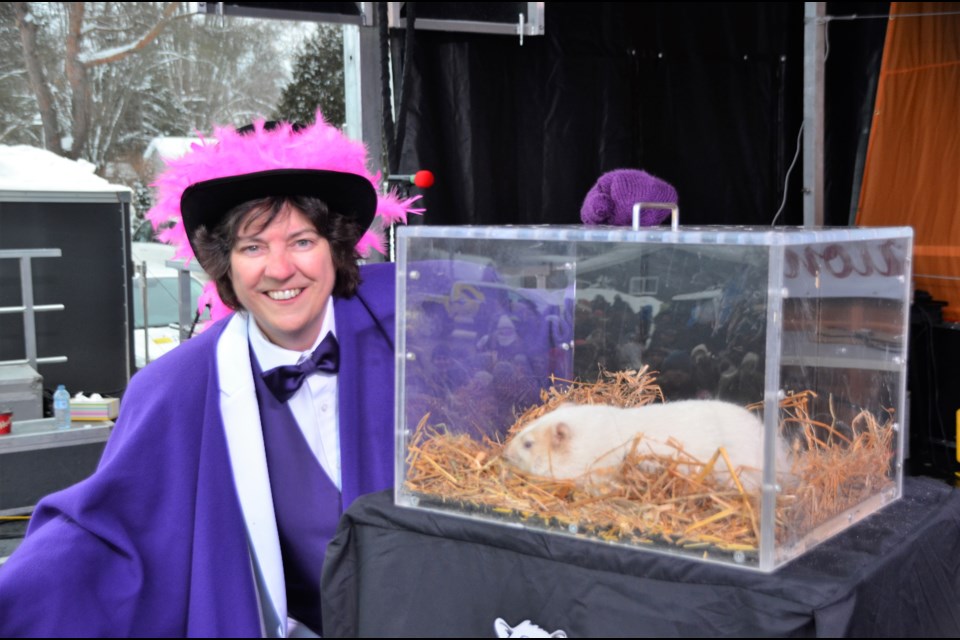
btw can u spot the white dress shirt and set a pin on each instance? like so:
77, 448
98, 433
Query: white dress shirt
314, 405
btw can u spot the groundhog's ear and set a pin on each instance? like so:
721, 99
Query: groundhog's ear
561, 433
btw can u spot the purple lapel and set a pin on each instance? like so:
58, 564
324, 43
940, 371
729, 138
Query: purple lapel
365, 328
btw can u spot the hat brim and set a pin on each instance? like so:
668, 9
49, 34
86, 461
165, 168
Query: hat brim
207, 203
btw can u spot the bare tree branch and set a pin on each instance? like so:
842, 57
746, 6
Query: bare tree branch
101, 95
37, 78
10, 129
77, 77
118, 53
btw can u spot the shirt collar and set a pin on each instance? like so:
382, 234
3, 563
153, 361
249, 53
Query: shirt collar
270, 355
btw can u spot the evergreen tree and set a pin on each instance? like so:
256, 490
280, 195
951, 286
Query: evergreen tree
317, 80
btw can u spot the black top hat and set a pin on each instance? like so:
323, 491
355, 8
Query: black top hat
206, 203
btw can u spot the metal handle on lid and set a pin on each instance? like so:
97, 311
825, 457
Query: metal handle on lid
674, 213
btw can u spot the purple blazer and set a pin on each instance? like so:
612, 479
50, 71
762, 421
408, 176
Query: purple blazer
164, 539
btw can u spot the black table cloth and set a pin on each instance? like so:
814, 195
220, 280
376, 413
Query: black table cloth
392, 571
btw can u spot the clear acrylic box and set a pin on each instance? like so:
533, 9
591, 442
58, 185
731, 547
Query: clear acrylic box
732, 395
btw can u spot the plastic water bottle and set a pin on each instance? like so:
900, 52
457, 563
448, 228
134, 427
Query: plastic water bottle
61, 408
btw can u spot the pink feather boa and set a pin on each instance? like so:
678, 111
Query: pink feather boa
318, 146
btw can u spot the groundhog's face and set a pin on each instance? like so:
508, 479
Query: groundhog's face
541, 447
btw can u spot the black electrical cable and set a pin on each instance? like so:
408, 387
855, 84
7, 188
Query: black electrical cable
196, 319
405, 79
393, 136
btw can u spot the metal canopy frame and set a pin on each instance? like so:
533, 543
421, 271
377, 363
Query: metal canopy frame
814, 37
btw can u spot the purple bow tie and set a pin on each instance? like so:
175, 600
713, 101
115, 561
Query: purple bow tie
284, 381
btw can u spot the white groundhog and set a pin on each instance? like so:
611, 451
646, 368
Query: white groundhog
575, 440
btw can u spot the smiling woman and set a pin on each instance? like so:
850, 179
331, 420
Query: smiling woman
235, 454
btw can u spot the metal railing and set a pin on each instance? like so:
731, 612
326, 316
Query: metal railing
27, 307
184, 300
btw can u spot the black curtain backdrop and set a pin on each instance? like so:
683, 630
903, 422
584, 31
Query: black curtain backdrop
706, 96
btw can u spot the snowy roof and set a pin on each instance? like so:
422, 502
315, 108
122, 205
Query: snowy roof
25, 168
169, 148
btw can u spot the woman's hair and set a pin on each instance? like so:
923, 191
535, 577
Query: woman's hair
214, 247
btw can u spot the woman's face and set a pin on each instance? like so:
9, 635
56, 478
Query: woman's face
283, 274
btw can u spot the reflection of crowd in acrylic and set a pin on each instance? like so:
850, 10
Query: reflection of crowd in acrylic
710, 345
712, 348
479, 384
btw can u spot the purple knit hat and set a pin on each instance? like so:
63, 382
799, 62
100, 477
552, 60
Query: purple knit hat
611, 199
